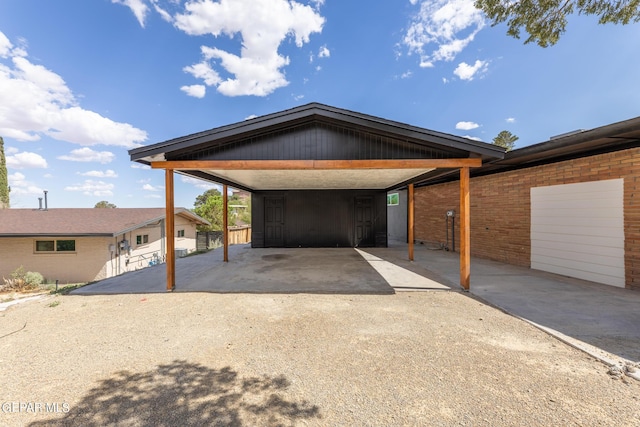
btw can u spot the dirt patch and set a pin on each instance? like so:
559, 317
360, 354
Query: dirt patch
427, 358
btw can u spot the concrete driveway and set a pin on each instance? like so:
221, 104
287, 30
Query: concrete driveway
282, 270
599, 319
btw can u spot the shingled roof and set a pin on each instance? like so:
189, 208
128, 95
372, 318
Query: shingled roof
82, 221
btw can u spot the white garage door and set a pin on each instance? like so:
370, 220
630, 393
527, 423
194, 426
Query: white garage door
577, 230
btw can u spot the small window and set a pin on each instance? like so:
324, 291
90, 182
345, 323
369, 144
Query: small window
180, 233
142, 239
65, 245
55, 245
45, 245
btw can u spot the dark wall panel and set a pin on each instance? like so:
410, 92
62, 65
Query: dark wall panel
318, 141
321, 218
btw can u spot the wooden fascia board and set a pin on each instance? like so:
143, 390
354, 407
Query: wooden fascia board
315, 164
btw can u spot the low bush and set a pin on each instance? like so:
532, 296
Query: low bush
22, 281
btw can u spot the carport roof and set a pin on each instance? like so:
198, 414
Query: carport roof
381, 168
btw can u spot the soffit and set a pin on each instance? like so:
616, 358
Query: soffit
316, 179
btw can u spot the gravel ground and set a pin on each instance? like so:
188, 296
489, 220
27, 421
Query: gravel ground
414, 358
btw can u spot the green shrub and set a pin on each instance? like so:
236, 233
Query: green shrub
33, 278
22, 281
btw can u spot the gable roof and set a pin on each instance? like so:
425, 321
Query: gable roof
83, 221
312, 112
313, 132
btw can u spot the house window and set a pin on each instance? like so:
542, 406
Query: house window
65, 245
55, 245
180, 233
45, 245
141, 239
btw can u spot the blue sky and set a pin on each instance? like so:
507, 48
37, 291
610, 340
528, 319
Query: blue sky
83, 81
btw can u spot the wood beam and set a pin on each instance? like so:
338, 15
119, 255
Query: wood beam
465, 230
316, 164
410, 231
170, 230
225, 222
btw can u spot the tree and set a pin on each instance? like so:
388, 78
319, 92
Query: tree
202, 199
546, 20
209, 206
105, 204
211, 210
4, 179
505, 139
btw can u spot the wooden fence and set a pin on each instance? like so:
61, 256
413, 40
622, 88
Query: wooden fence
209, 239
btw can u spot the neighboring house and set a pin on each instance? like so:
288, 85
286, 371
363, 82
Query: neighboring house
570, 205
84, 245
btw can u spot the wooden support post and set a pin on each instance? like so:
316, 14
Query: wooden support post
465, 230
410, 230
225, 222
170, 230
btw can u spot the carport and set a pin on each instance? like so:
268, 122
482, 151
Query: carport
318, 175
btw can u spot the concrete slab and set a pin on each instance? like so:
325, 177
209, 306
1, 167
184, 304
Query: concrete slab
268, 270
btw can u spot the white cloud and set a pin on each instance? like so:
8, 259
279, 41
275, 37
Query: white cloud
26, 160
162, 12
199, 183
252, 116
324, 52
140, 166
35, 101
10, 150
152, 196
445, 80
447, 25
5, 45
109, 173
88, 155
468, 72
197, 91
467, 125
19, 185
203, 70
262, 26
475, 138
406, 74
93, 188
510, 120
149, 187
138, 7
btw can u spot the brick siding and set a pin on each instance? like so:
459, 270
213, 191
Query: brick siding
501, 211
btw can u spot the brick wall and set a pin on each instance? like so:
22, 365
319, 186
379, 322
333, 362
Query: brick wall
500, 207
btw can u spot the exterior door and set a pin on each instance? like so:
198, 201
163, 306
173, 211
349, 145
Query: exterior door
274, 222
364, 222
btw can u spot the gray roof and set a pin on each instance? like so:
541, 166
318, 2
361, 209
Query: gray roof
82, 221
